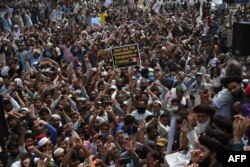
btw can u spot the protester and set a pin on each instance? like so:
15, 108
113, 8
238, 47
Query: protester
68, 98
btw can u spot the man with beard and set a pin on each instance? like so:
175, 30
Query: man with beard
143, 84
22, 55
27, 141
200, 68
84, 107
55, 121
233, 92
201, 119
203, 113
141, 113
13, 155
36, 106
209, 153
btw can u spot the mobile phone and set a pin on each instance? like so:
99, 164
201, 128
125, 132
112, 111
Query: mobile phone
123, 161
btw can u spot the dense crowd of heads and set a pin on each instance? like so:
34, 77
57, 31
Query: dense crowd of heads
65, 103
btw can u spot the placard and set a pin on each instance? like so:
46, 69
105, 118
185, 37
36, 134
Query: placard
95, 21
206, 40
107, 3
126, 56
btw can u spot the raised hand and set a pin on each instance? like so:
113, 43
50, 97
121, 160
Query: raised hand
192, 118
7, 96
110, 110
196, 156
237, 107
240, 126
40, 122
141, 125
184, 127
78, 142
15, 94
192, 165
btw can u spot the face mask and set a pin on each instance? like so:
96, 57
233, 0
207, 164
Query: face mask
151, 79
141, 110
138, 75
194, 71
175, 108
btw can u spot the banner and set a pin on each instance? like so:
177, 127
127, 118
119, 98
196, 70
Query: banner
126, 56
206, 40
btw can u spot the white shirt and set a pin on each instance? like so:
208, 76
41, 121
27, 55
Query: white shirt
52, 16
171, 94
213, 62
141, 116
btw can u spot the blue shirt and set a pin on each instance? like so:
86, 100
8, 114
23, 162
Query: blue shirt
129, 131
222, 103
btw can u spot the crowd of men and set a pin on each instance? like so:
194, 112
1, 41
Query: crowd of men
65, 105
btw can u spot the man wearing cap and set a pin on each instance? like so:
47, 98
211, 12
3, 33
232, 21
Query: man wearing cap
233, 84
227, 102
58, 155
55, 120
45, 146
202, 117
221, 128
177, 93
210, 152
161, 144
203, 113
156, 108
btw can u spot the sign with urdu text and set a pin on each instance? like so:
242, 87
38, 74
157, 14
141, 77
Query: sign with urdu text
126, 56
